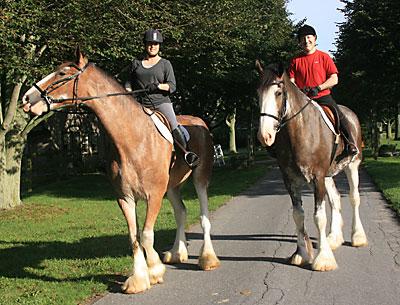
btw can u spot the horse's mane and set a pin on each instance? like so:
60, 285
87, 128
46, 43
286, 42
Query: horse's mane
273, 71
107, 77
292, 89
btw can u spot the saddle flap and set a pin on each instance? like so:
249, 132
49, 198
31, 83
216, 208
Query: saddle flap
329, 114
329, 117
161, 123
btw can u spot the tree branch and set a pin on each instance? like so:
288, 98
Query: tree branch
12, 107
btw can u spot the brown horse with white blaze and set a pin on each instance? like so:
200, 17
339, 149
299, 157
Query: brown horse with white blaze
304, 146
139, 162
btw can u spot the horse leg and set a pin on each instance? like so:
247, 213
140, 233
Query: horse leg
304, 253
208, 260
178, 253
358, 237
325, 260
138, 279
156, 267
335, 237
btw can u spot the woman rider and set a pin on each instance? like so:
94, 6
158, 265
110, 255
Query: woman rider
154, 73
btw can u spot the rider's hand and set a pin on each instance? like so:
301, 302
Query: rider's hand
151, 88
314, 91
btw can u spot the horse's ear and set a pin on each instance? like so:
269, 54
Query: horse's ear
260, 67
81, 59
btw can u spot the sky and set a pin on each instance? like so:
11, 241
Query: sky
322, 15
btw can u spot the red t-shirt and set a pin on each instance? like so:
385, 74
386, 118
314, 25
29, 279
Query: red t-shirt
311, 70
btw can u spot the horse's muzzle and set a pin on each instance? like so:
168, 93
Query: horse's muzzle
265, 138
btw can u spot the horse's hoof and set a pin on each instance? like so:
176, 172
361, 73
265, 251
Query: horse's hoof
359, 240
324, 262
208, 262
175, 258
156, 274
298, 260
335, 241
135, 284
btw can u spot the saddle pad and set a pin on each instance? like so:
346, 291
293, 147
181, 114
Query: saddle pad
325, 118
164, 130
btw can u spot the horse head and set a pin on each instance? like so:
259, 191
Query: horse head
57, 89
272, 100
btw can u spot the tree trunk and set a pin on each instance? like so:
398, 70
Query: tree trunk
389, 130
10, 171
375, 136
11, 149
231, 122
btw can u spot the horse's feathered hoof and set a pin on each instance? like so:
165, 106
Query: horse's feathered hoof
335, 241
175, 257
208, 262
359, 240
136, 284
156, 274
324, 262
298, 260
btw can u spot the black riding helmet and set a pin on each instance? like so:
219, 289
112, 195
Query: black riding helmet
152, 36
306, 30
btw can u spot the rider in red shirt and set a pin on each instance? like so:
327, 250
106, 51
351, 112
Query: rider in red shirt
315, 73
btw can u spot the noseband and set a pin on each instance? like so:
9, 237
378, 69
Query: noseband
282, 121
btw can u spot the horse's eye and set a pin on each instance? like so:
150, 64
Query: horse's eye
278, 93
61, 73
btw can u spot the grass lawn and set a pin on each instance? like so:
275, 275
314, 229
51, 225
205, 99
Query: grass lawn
69, 240
386, 174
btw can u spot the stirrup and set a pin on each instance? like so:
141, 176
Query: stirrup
192, 159
348, 153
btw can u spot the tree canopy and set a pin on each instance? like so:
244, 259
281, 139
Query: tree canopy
368, 56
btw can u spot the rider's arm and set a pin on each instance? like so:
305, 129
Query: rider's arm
331, 81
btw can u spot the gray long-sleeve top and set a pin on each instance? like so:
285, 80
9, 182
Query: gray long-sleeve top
161, 73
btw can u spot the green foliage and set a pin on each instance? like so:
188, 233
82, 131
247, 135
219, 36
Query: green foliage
212, 44
68, 243
368, 57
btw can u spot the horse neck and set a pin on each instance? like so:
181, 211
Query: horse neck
302, 117
115, 113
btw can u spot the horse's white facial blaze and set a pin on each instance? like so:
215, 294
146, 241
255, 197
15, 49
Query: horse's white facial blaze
32, 100
267, 130
32, 96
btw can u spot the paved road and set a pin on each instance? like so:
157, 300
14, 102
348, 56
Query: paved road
254, 234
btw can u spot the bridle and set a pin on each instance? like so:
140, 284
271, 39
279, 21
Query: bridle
45, 94
281, 118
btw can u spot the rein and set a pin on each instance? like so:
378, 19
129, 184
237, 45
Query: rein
282, 121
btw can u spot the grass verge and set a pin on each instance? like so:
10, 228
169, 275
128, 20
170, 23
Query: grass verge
69, 240
386, 174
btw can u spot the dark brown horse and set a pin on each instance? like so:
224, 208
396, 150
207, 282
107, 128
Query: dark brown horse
139, 162
304, 144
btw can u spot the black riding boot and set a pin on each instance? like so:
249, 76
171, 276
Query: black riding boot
350, 147
191, 158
